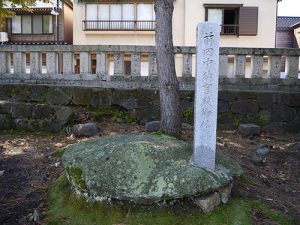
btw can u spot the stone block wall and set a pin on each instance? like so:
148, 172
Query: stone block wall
275, 111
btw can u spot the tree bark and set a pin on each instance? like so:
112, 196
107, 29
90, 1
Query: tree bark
168, 82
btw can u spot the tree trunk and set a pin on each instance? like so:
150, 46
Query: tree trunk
168, 83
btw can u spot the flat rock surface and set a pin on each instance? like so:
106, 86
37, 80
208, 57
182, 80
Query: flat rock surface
142, 168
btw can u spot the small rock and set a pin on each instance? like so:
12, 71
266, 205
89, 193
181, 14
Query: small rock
57, 164
187, 126
249, 130
225, 193
263, 150
87, 129
208, 203
2, 172
119, 120
295, 147
36, 215
152, 126
256, 159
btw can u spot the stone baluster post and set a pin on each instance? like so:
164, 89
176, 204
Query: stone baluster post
3, 63
292, 67
51, 62
257, 62
85, 63
187, 65
223, 66
136, 64
19, 60
101, 63
68, 62
35, 63
119, 63
274, 66
239, 66
152, 65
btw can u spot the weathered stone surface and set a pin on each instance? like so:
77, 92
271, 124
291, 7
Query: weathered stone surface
87, 129
290, 127
208, 203
282, 113
247, 107
206, 94
152, 126
295, 147
130, 104
292, 100
225, 193
143, 169
266, 100
63, 114
58, 97
256, 159
249, 129
223, 106
263, 150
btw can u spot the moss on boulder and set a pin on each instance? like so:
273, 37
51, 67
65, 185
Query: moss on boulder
143, 169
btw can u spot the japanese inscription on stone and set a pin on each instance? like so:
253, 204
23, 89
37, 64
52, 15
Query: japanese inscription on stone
206, 94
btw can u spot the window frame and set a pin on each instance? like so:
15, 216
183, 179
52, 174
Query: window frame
21, 33
235, 7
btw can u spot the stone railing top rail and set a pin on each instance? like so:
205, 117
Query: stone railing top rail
146, 49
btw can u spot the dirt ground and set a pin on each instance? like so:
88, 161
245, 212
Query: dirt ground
30, 165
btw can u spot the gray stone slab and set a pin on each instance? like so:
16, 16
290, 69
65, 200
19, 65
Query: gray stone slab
152, 65
257, 66
239, 66
3, 62
85, 62
274, 66
101, 63
223, 66
206, 94
119, 63
68, 62
292, 67
136, 64
187, 65
35, 63
51, 62
19, 63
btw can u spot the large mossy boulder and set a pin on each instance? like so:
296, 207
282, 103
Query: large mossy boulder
143, 169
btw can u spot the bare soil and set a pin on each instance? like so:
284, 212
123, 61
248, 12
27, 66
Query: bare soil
30, 165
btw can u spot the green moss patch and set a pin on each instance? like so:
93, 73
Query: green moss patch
67, 208
113, 114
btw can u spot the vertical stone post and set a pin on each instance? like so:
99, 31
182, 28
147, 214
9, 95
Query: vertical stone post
187, 65
3, 63
68, 62
152, 65
35, 63
206, 94
85, 63
136, 64
223, 66
292, 67
101, 63
51, 62
257, 62
274, 66
19, 63
119, 64
239, 66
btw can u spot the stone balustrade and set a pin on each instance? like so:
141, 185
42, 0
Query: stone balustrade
131, 67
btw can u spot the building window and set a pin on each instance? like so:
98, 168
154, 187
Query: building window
234, 19
127, 16
32, 24
226, 17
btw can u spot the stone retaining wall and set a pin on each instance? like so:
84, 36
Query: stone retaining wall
46, 106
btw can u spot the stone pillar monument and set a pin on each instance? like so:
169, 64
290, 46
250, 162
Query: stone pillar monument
206, 94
